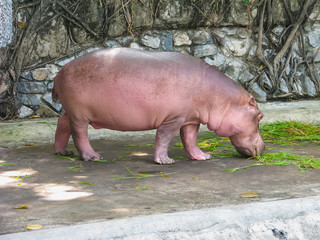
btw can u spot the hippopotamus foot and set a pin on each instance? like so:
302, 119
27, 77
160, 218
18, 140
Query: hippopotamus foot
164, 135
92, 156
189, 134
163, 159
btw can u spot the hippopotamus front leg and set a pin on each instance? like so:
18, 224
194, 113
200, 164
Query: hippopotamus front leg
189, 134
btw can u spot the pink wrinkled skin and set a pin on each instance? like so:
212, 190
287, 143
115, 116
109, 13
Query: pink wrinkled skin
132, 90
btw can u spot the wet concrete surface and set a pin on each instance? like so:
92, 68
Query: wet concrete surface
59, 193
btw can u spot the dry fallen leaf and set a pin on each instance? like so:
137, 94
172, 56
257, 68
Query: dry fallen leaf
34, 227
21, 24
249, 195
30, 144
22, 207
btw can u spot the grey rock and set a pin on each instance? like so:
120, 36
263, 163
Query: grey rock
31, 87
210, 61
112, 44
294, 5
201, 37
45, 111
235, 32
283, 86
136, 46
142, 16
52, 71
252, 53
309, 87
3, 87
265, 81
245, 77
40, 74
26, 76
151, 41
239, 13
216, 60
238, 47
125, 41
205, 50
184, 50
317, 57
89, 50
29, 99
24, 112
297, 87
167, 43
258, 93
117, 27
175, 13
278, 30
50, 85
51, 43
65, 61
313, 36
181, 38
6, 22
234, 68
47, 99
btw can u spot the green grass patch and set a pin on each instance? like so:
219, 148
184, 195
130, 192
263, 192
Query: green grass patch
6, 164
287, 158
279, 133
288, 133
140, 176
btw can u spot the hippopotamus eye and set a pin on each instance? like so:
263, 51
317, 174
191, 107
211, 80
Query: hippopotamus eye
260, 116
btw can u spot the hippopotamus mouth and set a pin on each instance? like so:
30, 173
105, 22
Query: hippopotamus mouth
252, 151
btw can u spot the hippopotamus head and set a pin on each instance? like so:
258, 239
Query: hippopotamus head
241, 125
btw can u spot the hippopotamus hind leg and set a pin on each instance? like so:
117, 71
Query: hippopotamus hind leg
62, 136
189, 134
79, 132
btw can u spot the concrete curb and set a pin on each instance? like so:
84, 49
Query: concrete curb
285, 219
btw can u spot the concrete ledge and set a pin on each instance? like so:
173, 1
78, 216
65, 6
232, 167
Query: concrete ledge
286, 219
301, 111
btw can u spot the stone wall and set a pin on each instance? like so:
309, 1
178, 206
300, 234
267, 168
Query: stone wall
6, 22
226, 39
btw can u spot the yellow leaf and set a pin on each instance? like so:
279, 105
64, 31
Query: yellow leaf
21, 24
22, 207
249, 195
261, 66
34, 227
30, 144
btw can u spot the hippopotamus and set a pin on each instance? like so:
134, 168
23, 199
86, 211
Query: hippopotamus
133, 90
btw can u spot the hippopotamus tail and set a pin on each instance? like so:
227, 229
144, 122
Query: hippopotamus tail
55, 96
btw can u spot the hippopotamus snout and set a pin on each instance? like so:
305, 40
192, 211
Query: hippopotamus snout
252, 150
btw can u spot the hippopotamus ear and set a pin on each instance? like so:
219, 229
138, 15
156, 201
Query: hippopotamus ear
252, 102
